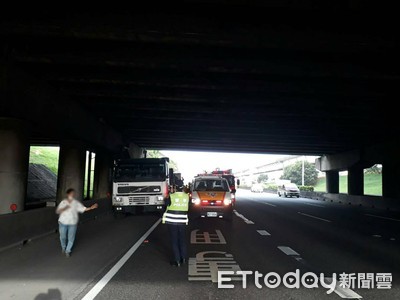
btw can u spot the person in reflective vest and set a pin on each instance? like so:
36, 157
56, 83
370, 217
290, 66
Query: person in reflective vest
176, 217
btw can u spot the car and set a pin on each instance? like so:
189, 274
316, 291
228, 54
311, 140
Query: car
211, 198
288, 190
257, 188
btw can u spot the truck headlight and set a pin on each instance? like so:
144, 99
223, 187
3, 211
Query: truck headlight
160, 198
118, 199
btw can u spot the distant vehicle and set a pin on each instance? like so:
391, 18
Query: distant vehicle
288, 190
211, 197
228, 175
142, 182
257, 188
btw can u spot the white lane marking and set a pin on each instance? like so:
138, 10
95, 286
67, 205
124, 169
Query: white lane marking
380, 217
110, 274
376, 236
392, 239
344, 293
206, 237
287, 250
270, 204
263, 232
314, 217
316, 205
247, 221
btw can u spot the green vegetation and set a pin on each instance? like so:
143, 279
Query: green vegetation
372, 184
47, 156
262, 178
294, 173
158, 154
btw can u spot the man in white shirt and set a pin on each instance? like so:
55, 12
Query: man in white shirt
68, 209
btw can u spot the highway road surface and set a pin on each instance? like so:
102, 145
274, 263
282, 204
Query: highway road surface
128, 258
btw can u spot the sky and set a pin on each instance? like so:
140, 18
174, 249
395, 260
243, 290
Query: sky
191, 163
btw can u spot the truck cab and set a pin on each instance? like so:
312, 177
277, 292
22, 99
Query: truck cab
140, 183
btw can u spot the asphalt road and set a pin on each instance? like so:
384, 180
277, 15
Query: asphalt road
268, 234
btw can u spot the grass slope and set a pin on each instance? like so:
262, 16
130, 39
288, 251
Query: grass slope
47, 156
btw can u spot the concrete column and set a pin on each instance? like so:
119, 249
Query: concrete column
102, 175
332, 182
390, 180
71, 169
14, 163
355, 181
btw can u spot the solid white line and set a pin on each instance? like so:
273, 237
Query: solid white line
344, 293
314, 217
287, 250
103, 281
270, 204
263, 232
386, 218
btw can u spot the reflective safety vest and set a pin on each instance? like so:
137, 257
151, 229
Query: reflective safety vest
177, 211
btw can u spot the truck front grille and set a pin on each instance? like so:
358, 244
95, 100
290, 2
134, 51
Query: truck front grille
139, 200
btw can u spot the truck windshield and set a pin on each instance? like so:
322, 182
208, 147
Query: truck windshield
211, 185
140, 172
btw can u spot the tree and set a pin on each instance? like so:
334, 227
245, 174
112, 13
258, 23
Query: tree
158, 154
375, 169
294, 172
262, 178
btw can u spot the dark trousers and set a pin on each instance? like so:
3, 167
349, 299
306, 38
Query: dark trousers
178, 239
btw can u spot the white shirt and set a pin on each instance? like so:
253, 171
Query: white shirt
70, 215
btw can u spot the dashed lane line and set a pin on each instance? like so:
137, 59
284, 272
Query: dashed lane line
270, 204
316, 205
247, 221
263, 232
288, 251
344, 293
314, 217
385, 218
110, 274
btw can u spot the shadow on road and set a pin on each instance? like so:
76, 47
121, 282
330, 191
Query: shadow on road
52, 294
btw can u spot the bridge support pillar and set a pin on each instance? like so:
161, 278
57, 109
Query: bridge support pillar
355, 181
71, 169
332, 182
14, 163
102, 175
390, 180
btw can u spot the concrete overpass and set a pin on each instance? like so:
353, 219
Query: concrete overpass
267, 77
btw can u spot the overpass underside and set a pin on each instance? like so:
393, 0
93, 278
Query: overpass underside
266, 78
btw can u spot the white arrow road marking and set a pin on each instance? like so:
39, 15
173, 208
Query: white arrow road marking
344, 293
110, 274
380, 217
263, 232
288, 250
314, 217
247, 221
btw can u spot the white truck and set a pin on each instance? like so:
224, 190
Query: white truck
140, 183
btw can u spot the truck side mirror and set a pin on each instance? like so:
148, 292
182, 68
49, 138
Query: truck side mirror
238, 182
